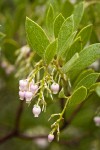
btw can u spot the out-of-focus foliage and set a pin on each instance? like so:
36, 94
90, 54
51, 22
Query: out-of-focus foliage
12, 38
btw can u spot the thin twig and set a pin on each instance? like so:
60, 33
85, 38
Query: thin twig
6, 137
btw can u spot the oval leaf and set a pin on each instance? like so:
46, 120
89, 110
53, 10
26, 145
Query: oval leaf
76, 47
86, 57
64, 33
70, 63
57, 24
49, 20
36, 37
66, 46
50, 51
77, 14
78, 96
88, 80
85, 34
82, 75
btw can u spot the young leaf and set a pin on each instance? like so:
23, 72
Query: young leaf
50, 51
85, 34
98, 90
64, 33
86, 57
2, 35
82, 75
70, 63
75, 48
67, 8
62, 94
78, 96
57, 24
88, 80
49, 20
77, 14
63, 52
93, 87
36, 37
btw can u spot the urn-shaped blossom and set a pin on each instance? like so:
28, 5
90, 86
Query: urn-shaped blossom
28, 96
36, 110
97, 120
21, 95
50, 137
55, 88
33, 88
23, 85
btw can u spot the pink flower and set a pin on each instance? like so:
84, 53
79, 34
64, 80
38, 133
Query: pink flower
33, 88
55, 88
21, 95
28, 96
97, 120
23, 85
36, 110
50, 137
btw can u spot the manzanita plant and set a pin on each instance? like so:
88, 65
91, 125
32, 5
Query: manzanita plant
58, 63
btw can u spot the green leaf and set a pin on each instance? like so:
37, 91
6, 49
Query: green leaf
50, 51
78, 96
75, 48
49, 20
82, 75
98, 90
2, 35
86, 57
63, 52
70, 63
77, 14
88, 80
57, 24
85, 34
93, 87
36, 37
64, 33
62, 94
67, 9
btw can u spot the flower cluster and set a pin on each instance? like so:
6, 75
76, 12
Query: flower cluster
28, 90
37, 86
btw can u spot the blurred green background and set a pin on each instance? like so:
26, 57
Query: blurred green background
82, 132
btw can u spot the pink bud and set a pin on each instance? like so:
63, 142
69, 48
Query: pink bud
28, 96
33, 88
55, 88
50, 137
25, 49
23, 85
36, 110
97, 120
21, 95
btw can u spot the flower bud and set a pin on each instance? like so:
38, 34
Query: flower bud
25, 49
50, 137
97, 120
21, 95
33, 88
36, 110
55, 88
23, 85
10, 69
28, 96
